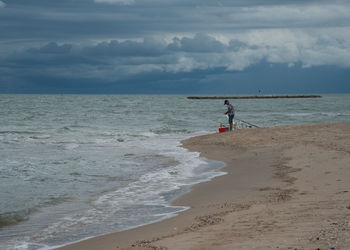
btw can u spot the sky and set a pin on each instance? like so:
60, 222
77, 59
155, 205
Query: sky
174, 46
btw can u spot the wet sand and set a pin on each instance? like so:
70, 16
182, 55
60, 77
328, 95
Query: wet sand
285, 188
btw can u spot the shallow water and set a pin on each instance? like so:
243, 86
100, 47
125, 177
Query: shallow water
76, 166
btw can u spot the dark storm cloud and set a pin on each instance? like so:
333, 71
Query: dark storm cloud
115, 41
86, 20
116, 60
51, 48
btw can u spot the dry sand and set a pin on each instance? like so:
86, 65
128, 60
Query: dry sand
286, 188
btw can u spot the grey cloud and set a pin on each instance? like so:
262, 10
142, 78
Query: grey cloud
2, 4
83, 21
306, 15
116, 60
199, 43
124, 2
149, 47
112, 40
52, 48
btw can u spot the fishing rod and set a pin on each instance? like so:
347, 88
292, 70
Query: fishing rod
241, 124
255, 126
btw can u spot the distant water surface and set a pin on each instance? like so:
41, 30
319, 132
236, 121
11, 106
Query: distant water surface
76, 166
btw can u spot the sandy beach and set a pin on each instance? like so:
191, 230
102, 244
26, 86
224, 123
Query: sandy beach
286, 188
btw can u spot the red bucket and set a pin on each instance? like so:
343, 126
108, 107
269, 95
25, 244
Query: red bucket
221, 130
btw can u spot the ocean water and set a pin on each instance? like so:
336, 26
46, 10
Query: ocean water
77, 166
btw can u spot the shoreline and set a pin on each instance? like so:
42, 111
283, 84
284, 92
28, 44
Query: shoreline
215, 166
269, 184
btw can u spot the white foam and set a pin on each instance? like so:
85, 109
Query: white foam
148, 190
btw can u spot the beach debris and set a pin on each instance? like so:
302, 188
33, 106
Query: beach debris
205, 220
147, 244
341, 192
348, 207
281, 195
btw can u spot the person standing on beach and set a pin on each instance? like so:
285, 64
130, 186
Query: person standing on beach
230, 112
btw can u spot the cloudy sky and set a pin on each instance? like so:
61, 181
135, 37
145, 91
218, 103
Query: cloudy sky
174, 46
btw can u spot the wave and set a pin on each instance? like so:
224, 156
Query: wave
38, 137
19, 132
14, 217
170, 131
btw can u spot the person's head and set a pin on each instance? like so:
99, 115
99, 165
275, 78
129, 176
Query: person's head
226, 102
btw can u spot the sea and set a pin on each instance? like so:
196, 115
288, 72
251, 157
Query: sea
78, 166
